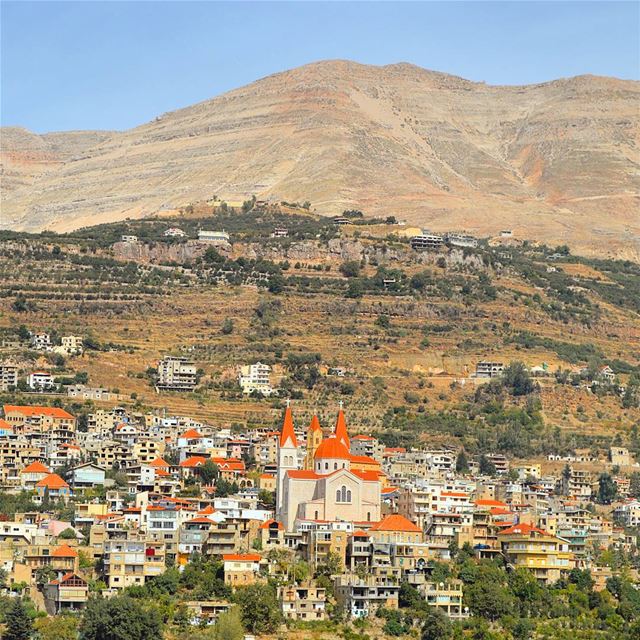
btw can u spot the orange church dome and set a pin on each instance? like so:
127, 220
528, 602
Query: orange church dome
332, 448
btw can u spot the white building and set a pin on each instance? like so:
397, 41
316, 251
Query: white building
426, 241
8, 376
485, 369
216, 237
176, 374
256, 377
628, 513
129, 238
41, 341
461, 240
280, 232
40, 381
72, 345
174, 232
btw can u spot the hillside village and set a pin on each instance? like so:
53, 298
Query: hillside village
249, 417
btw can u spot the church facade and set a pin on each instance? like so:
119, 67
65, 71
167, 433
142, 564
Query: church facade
334, 485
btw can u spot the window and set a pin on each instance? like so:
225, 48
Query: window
343, 494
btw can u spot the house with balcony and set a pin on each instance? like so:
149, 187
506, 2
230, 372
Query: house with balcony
303, 602
68, 593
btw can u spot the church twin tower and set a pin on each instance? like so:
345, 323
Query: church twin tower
288, 448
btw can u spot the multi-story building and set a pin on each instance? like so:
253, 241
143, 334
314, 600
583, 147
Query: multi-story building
368, 446
362, 597
41, 341
241, 569
303, 602
486, 369
214, 237
8, 376
131, 561
426, 241
446, 597
628, 513
40, 381
68, 593
72, 345
176, 373
546, 556
256, 378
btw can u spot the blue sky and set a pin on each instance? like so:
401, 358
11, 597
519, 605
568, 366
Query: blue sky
114, 65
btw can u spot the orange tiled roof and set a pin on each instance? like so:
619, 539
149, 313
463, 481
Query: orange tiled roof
267, 476
489, 503
396, 522
267, 524
241, 557
64, 551
359, 533
191, 434
27, 410
333, 448
287, 432
35, 467
193, 461
52, 481
303, 474
523, 529
207, 510
159, 462
315, 424
362, 437
341, 432
200, 520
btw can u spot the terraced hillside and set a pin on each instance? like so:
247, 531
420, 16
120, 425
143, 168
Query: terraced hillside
408, 327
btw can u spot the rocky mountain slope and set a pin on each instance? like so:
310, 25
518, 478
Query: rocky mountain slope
556, 161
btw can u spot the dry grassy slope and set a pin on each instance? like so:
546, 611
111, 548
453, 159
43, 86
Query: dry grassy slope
192, 318
556, 161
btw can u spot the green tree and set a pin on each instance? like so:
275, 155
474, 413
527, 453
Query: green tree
350, 269
68, 534
607, 489
436, 626
120, 618
18, 622
61, 627
208, 472
354, 290
634, 485
227, 326
229, 625
462, 464
517, 379
487, 468
259, 608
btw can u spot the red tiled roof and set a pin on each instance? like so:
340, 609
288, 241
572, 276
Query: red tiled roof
27, 410
396, 522
315, 424
359, 533
361, 437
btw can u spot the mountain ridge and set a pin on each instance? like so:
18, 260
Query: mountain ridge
438, 150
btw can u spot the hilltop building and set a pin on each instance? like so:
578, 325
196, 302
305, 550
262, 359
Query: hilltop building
176, 374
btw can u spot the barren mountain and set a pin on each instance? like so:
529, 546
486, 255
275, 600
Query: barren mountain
557, 161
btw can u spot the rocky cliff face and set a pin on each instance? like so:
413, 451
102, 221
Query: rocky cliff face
556, 161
